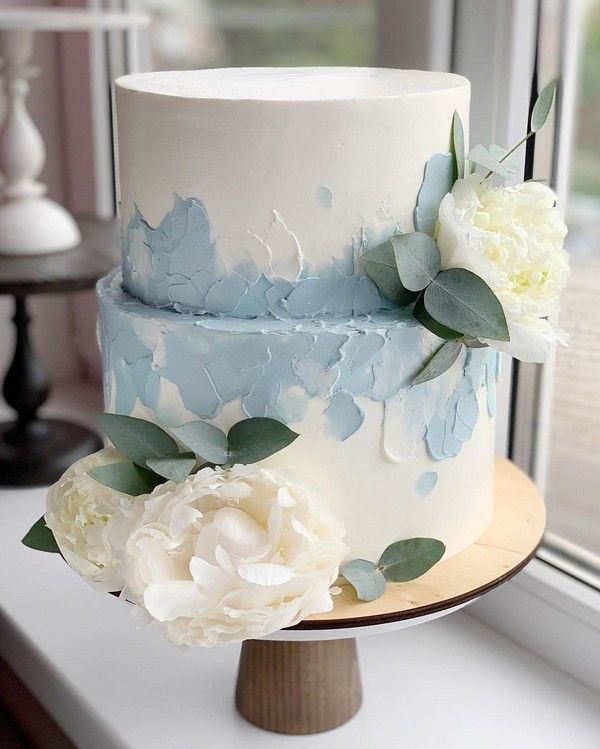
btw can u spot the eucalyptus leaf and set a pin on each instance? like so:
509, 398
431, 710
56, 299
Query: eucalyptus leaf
437, 182
379, 263
366, 578
462, 301
494, 160
137, 439
203, 439
41, 538
408, 559
176, 468
542, 106
471, 342
418, 259
254, 439
435, 327
458, 146
126, 477
439, 363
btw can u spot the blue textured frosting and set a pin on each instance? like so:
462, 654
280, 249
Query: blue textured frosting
426, 483
274, 367
176, 265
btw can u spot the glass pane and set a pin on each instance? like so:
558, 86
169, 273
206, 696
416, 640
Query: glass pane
574, 468
221, 33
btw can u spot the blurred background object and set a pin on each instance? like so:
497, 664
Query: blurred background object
42, 250
36, 451
30, 222
221, 33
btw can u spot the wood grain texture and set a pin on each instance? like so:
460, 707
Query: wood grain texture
504, 549
298, 687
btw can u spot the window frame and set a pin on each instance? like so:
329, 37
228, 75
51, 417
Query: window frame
555, 588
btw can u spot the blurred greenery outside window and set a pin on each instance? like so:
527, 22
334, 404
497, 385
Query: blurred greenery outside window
585, 174
220, 33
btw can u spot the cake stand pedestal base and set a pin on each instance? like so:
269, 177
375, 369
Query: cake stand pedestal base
305, 679
298, 687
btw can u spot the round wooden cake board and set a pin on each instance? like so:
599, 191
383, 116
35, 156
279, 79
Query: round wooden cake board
306, 679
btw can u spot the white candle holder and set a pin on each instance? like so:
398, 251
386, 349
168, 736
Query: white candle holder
31, 223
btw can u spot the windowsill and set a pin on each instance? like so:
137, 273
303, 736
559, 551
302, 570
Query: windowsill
110, 684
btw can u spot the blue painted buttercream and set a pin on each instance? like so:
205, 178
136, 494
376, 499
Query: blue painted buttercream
344, 417
437, 181
274, 367
454, 421
492, 376
176, 265
325, 196
426, 483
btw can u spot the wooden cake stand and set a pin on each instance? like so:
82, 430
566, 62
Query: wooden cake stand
306, 679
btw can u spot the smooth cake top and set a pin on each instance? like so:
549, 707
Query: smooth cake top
291, 84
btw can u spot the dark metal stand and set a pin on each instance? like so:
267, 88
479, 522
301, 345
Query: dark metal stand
35, 451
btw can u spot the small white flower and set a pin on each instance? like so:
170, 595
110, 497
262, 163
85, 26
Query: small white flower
232, 554
512, 238
91, 522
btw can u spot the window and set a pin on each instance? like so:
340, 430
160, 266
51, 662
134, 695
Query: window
220, 33
573, 477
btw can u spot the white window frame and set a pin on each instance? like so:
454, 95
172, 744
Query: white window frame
551, 607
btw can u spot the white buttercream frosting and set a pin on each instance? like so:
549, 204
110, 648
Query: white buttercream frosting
291, 84
296, 170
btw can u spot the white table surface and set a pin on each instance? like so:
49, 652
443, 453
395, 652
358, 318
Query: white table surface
447, 684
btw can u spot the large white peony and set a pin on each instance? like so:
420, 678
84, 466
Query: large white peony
232, 554
512, 238
91, 522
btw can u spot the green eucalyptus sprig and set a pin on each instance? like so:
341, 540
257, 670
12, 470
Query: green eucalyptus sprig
41, 538
498, 160
154, 456
454, 304
402, 561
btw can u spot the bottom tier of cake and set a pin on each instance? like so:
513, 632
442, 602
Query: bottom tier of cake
390, 460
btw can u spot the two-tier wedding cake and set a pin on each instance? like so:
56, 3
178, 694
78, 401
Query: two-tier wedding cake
247, 198
301, 348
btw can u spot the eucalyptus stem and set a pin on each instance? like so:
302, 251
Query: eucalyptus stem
512, 150
520, 143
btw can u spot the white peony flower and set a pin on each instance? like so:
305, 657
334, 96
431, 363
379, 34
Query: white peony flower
512, 238
91, 522
232, 554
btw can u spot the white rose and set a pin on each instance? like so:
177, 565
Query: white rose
91, 522
512, 238
231, 555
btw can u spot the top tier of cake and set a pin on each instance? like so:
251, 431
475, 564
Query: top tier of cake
253, 192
